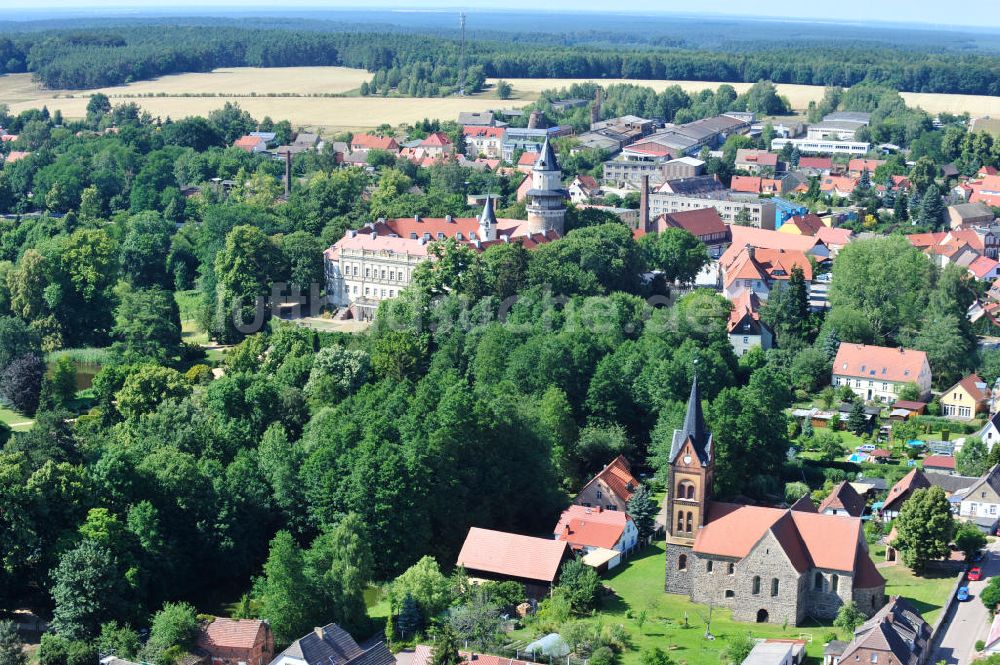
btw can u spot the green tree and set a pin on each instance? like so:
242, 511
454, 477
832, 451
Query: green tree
990, 595
284, 593
477, 620
737, 649
148, 387
411, 619
21, 383
849, 617
174, 628
581, 585
11, 646
973, 458
504, 89
424, 582
858, 419
145, 248
62, 380
147, 324
445, 648
643, 510
931, 208
243, 268
341, 565
654, 656
87, 589
924, 528
121, 640
969, 539
677, 253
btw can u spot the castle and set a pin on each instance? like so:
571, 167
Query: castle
767, 565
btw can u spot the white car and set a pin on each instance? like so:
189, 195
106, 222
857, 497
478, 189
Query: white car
866, 448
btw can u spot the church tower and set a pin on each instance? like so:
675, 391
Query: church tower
691, 470
546, 211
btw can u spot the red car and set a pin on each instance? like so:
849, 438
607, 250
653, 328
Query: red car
975, 574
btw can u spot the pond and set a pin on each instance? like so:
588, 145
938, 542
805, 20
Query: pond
85, 372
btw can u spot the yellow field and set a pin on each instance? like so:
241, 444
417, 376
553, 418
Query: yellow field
798, 95
289, 93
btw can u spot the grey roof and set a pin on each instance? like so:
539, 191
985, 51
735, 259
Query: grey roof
306, 138
971, 210
897, 628
546, 158
476, 118
950, 483
992, 479
488, 216
698, 184
842, 125
834, 648
694, 428
332, 645
848, 116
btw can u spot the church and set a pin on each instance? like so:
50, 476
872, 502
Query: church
767, 565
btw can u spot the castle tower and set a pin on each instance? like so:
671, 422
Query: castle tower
691, 470
546, 211
488, 221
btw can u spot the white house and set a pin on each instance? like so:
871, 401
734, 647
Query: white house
878, 372
332, 645
589, 529
990, 433
980, 503
993, 639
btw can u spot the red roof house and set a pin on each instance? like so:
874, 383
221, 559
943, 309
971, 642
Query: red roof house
591, 528
236, 641
611, 488
372, 142
944, 463
498, 555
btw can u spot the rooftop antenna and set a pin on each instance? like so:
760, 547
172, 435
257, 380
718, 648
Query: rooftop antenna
461, 65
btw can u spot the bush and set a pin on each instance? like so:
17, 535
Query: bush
199, 375
602, 656
980, 645
581, 585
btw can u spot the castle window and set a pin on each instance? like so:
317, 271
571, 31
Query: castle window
774, 586
708, 566
689, 523
685, 490
730, 593
680, 520
682, 562
818, 581
731, 570
834, 583
690, 491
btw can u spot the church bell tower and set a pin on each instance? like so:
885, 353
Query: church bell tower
691, 471
546, 211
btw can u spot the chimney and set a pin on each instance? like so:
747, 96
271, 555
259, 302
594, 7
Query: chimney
751, 251
374, 235
416, 218
535, 120
600, 509
449, 219
319, 632
644, 204
288, 173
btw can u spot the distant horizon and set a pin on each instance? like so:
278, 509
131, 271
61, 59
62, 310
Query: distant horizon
977, 15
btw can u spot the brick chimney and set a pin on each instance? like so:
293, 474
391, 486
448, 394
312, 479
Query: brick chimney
318, 631
288, 173
644, 204
535, 120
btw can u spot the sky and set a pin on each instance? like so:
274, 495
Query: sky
974, 13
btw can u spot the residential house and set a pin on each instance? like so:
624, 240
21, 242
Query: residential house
965, 215
760, 270
834, 239
703, 223
980, 503
901, 491
986, 190
992, 641
756, 161
815, 166
583, 189
745, 327
776, 652
842, 500
610, 489
939, 464
804, 225
436, 145
423, 654
768, 565
878, 372
896, 635
366, 142
502, 556
990, 434
528, 139
856, 167
965, 399
332, 645
835, 185
984, 269
16, 156
483, 141
236, 641
591, 529
769, 239
251, 144
477, 119
732, 206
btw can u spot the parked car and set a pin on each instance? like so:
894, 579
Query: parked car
975, 574
866, 448
963, 593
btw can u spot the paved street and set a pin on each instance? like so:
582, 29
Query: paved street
968, 621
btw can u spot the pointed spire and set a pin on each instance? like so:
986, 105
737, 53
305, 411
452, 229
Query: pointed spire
546, 158
488, 216
694, 428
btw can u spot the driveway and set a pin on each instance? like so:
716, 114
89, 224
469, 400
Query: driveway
968, 621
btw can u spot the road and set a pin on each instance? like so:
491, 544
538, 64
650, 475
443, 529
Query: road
968, 621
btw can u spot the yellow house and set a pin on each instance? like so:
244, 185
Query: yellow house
965, 399
803, 225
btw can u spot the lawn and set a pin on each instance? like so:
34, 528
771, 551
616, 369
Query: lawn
638, 586
15, 419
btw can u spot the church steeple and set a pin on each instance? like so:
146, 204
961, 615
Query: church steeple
691, 472
694, 429
545, 209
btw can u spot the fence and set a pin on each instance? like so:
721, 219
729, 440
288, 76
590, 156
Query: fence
936, 632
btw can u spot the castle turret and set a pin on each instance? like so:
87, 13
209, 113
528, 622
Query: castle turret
546, 211
488, 221
691, 471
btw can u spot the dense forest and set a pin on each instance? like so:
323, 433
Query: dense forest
430, 63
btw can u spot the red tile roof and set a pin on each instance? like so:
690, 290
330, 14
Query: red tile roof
230, 633
581, 526
527, 159
477, 131
765, 239
775, 264
926, 239
745, 183
975, 386
834, 237
838, 183
844, 497
372, 142
746, 304
701, 223
588, 181
808, 224
758, 157
939, 462
436, 140
15, 155
809, 539
879, 362
986, 190
7, 138
423, 654
902, 490
512, 555
858, 165
618, 477
248, 142
819, 163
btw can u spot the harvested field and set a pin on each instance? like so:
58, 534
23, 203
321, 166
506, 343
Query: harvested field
298, 94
